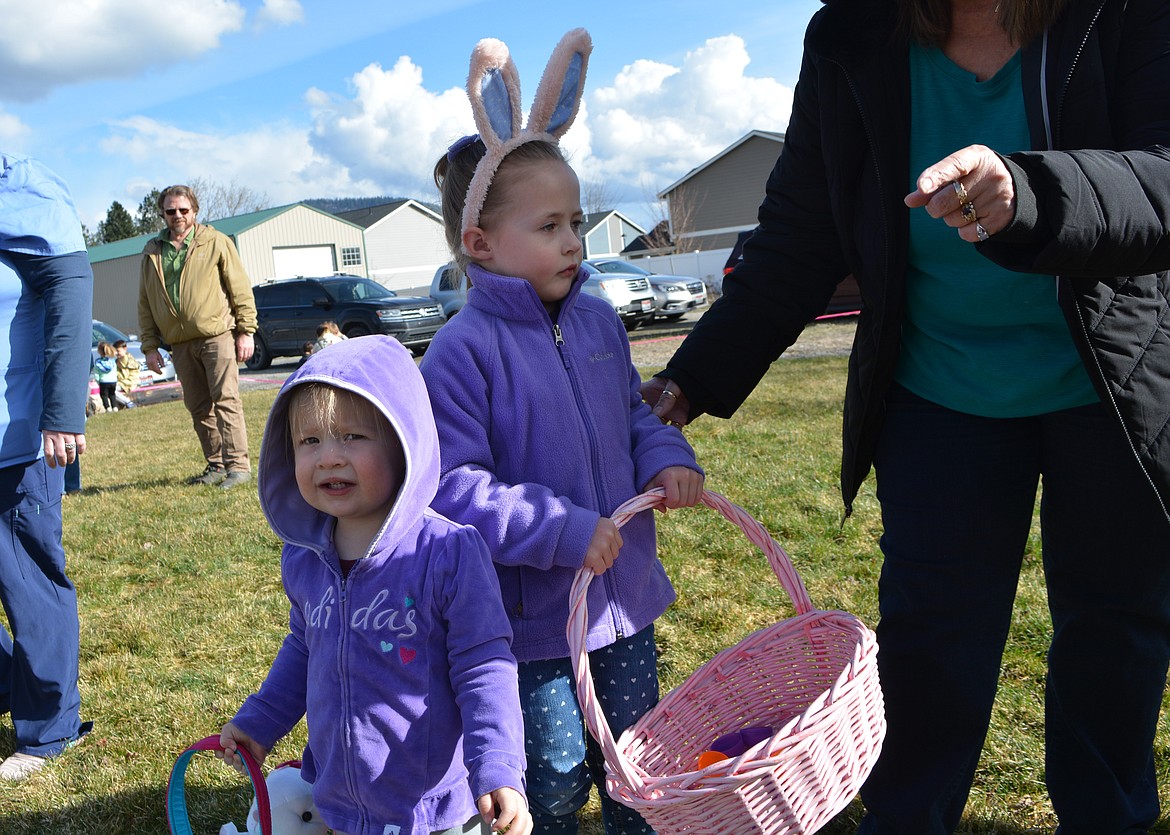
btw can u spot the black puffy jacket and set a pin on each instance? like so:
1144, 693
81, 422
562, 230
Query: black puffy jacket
1098, 218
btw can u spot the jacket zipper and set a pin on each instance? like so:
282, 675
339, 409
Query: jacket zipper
346, 695
559, 341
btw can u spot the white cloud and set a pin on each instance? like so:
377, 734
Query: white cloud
52, 43
12, 130
655, 122
280, 13
644, 129
276, 160
392, 130
635, 134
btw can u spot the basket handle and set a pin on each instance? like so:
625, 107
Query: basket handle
578, 625
178, 821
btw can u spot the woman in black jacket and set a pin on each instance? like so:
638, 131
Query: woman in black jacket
1016, 329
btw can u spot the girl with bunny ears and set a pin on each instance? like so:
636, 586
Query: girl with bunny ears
542, 430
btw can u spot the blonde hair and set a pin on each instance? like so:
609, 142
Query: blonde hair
324, 402
453, 177
105, 349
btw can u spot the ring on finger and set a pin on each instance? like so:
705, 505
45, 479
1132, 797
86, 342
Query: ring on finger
981, 232
960, 191
969, 212
666, 392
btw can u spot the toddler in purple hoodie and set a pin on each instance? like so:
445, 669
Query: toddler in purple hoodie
398, 653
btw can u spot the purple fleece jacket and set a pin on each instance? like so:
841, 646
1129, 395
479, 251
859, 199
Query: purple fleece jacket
543, 431
402, 669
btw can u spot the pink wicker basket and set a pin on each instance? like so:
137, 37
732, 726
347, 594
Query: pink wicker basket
811, 678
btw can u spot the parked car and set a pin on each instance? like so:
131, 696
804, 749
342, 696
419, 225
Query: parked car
846, 298
108, 333
290, 310
674, 295
449, 288
629, 295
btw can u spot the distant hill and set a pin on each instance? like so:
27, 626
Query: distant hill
333, 205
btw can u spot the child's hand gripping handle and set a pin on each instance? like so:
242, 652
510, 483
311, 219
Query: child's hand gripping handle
177, 819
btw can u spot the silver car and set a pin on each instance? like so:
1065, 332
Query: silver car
674, 295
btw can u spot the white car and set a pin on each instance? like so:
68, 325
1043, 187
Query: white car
108, 333
674, 295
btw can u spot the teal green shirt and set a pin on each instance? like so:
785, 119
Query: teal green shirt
173, 257
977, 338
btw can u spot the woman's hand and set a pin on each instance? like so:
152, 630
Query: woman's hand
667, 401
62, 448
973, 177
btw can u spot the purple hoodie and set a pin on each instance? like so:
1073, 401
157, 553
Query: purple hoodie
543, 430
403, 668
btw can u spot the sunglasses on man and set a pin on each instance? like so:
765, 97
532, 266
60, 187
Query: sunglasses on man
173, 212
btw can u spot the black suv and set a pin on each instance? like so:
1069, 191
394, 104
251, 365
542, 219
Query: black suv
290, 310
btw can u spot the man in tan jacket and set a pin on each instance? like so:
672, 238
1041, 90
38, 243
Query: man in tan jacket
195, 298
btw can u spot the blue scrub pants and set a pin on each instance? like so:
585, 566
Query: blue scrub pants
38, 662
957, 494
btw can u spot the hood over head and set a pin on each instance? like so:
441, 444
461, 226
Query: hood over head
379, 369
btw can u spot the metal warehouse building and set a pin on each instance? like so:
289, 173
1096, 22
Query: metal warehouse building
274, 243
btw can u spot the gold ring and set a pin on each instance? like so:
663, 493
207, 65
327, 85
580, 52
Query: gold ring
969, 212
666, 392
960, 191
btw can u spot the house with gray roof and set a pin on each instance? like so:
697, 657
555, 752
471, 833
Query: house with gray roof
606, 234
713, 202
405, 243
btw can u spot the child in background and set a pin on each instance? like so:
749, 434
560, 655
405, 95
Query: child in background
128, 371
543, 432
398, 647
327, 334
105, 369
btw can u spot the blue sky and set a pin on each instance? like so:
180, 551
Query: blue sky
297, 99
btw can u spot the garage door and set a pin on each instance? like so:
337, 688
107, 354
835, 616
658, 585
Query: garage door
303, 260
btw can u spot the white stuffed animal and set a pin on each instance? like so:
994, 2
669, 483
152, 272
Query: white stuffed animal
290, 799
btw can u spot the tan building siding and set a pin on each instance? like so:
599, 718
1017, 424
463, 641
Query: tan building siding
308, 228
115, 292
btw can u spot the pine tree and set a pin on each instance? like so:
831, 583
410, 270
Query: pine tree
148, 220
117, 226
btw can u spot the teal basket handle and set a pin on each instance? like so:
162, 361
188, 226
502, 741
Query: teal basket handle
177, 819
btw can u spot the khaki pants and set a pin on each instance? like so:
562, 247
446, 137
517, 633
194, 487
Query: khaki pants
210, 376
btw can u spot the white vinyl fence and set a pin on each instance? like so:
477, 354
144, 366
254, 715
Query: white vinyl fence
706, 265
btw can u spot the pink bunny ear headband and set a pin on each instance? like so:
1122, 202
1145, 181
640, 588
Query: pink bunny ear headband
493, 86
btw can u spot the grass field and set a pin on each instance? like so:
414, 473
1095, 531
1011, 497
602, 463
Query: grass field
182, 611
